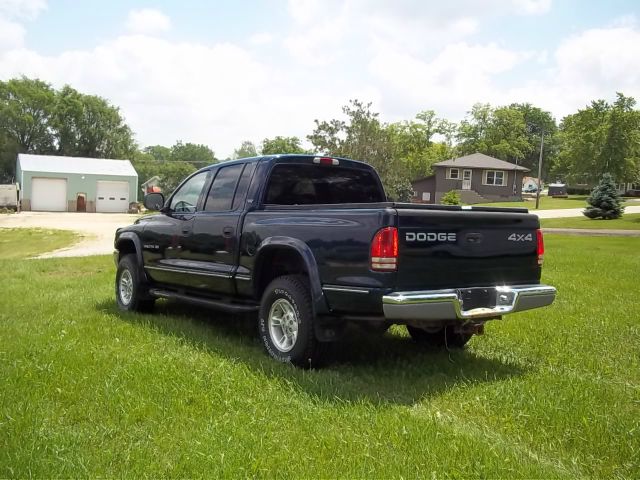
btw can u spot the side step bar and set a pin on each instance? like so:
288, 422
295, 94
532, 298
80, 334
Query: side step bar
205, 302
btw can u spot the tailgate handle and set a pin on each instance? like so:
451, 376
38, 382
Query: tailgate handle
474, 237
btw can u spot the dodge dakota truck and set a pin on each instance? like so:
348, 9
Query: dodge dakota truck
310, 243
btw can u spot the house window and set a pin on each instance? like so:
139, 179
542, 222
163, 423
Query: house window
466, 175
495, 177
426, 196
454, 174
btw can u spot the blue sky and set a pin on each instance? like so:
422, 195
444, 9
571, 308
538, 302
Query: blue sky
223, 72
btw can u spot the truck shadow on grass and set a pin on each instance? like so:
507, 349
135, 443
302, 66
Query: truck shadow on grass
380, 369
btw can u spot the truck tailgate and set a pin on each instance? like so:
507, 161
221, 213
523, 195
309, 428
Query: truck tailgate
465, 248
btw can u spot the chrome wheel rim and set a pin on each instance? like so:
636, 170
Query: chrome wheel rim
283, 325
126, 287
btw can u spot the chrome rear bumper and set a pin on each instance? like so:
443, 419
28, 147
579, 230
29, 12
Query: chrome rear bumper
448, 304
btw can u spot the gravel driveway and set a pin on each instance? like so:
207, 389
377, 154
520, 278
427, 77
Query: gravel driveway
98, 229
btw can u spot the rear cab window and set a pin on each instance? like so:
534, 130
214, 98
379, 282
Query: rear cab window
306, 184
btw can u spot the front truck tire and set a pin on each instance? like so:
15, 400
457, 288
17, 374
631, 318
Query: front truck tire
444, 337
286, 322
132, 293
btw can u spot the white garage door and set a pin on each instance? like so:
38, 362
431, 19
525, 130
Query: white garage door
112, 197
49, 194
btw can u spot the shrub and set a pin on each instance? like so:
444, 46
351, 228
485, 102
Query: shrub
604, 201
450, 198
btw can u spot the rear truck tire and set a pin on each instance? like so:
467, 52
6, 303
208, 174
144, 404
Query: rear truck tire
132, 293
286, 322
444, 337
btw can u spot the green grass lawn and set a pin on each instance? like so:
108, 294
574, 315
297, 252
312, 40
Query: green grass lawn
88, 391
28, 242
629, 221
549, 203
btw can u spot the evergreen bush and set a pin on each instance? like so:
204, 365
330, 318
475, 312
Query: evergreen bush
604, 201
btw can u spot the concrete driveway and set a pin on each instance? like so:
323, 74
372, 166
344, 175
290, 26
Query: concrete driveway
97, 229
574, 212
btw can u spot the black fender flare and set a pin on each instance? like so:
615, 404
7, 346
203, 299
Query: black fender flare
309, 260
132, 237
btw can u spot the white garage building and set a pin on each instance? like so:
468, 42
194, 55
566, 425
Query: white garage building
51, 183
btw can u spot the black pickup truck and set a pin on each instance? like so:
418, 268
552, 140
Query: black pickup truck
311, 243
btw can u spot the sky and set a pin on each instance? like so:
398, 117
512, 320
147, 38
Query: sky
218, 73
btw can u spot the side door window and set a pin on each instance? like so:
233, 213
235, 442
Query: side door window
220, 198
185, 200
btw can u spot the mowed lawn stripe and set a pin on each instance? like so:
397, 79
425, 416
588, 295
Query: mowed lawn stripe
87, 390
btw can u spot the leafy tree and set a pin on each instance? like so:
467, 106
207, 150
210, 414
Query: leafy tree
604, 201
8, 151
274, 146
414, 143
602, 138
472, 131
399, 188
158, 152
172, 173
145, 164
451, 198
538, 122
362, 137
196, 154
499, 132
88, 126
26, 110
246, 150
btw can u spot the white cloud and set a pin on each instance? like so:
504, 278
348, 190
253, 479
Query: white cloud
24, 9
261, 38
326, 30
456, 78
12, 14
11, 35
148, 21
532, 7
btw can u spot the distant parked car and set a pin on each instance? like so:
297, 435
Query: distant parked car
558, 190
530, 189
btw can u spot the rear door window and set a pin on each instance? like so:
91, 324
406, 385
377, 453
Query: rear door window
223, 188
302, 184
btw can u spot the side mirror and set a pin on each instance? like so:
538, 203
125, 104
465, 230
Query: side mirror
154, 201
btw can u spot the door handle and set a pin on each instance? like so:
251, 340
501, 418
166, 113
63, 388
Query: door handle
186, 230
227, 232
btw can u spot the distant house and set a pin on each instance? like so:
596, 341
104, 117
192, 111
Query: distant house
51, 183
477, 178
629, 189
151, 185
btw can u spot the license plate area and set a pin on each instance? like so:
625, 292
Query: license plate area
472, 298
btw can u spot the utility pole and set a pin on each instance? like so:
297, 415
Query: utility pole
540, 169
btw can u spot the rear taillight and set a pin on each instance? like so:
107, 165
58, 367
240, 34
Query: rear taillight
540, 249
384, 250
